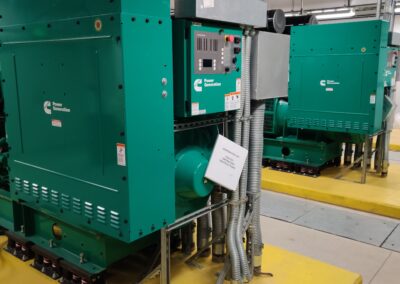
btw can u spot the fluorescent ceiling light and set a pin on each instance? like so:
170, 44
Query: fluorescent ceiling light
342, 9
397, 10
316, 12
291, 14
349, 14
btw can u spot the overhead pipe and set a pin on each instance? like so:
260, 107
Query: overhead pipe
302, 8
378, 9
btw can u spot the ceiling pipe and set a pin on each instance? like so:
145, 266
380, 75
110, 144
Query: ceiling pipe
302, 8
378, 9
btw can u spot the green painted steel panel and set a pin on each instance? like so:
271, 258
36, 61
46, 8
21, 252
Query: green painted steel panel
6, 213
83, 80
337, 74
25, 12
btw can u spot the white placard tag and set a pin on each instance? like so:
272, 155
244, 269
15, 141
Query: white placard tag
226, 163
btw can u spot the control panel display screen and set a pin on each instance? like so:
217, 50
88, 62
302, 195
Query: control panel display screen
207, 63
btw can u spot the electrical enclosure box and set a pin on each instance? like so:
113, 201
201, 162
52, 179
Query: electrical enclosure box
243, 12
208, 75
338, 76
270, 66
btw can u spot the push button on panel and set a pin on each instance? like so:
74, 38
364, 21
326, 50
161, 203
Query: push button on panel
230, 39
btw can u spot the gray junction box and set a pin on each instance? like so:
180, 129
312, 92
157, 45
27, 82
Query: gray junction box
243, 12
270, 66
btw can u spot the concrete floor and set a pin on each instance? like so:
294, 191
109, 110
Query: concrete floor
377, 265
364, 243
395, 157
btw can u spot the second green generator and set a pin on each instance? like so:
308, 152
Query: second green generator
342, 78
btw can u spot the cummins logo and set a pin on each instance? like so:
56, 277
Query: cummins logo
50, 107
325, 83
198, 85
47, 107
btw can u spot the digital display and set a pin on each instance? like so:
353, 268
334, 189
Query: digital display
207, 63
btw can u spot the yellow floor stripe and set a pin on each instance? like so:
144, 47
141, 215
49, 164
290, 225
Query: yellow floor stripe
380, 195
286, 267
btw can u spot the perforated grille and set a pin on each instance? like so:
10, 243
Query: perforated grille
68, 203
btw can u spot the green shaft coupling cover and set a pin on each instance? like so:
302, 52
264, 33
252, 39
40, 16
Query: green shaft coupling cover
275, 116
89, 97
310, 153
338, 73
191, 166
207, 62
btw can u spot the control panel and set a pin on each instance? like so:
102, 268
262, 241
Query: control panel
208, 78
216, 53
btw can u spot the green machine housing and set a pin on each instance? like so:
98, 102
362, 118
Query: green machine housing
78, 79
95, 166
340, 77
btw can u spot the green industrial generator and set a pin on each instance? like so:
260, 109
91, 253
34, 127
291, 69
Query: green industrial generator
110, 111
342, 79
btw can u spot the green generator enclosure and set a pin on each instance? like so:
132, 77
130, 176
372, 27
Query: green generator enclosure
338, 76
207, 68
80, 79
92, 163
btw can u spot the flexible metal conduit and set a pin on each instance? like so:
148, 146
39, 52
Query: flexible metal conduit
254, 184
234, 206
244, 179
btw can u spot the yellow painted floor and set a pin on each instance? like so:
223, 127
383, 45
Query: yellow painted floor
286, 267
395, 140
379, 196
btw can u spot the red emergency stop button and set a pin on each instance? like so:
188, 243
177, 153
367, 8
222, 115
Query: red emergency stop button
230, 38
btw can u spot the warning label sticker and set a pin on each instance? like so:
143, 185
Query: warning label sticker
372, 99
56, 123
238, 85
232, 101
121, 155
195, 108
